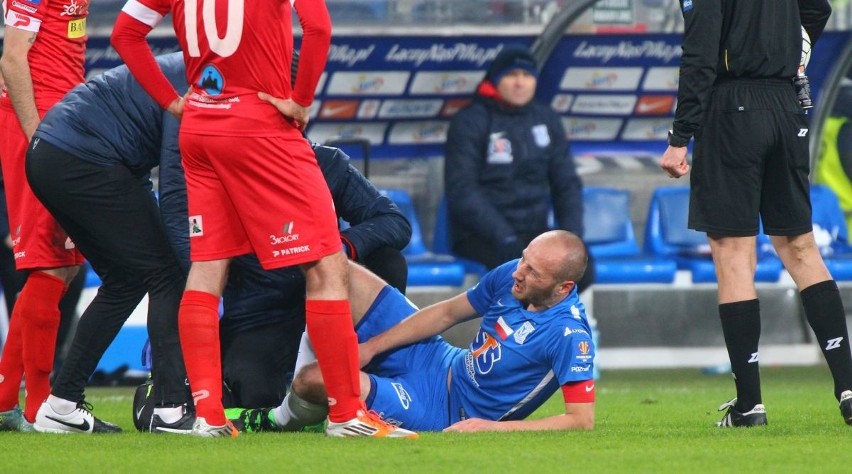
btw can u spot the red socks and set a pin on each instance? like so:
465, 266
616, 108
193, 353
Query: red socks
38, 308
198, 323
12, 363
329, 324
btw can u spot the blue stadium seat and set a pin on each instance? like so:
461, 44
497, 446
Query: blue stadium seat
831, 233
667, 234
442, 240
425, 268
610, 238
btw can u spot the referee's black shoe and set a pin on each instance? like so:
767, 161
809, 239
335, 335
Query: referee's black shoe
735, 419
846, 406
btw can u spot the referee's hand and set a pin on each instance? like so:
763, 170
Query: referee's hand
674, 161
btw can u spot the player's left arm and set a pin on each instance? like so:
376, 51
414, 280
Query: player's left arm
579, 414
16, 70
313, 54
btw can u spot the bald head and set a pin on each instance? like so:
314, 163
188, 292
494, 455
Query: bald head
566, 254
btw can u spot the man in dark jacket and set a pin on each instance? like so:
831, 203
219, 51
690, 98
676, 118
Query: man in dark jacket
751, 164
107, 135
506, 163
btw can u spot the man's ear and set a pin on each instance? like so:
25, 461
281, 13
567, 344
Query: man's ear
566, 286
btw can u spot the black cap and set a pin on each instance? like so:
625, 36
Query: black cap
510, 58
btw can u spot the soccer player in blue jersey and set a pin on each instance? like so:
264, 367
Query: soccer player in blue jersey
534, 339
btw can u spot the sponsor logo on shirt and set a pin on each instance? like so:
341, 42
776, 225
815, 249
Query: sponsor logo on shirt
499, 149
20, 21
541, 136
583, 352
196, 226
75, 8
77, 28
27, 7
211, 80
286, 237
402, 394
525, 330
687, 5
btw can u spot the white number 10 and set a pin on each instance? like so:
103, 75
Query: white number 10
233, 34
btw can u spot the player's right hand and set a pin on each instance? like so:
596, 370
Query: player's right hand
674, 161
289, 109
176, 107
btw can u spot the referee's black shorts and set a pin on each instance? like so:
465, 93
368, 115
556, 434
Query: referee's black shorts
751, 158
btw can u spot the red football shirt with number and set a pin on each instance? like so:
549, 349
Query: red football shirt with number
233, 49
59, 52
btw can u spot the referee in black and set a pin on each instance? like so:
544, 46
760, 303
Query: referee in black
737, 98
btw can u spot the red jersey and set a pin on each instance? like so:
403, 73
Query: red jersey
58, 54
234, 49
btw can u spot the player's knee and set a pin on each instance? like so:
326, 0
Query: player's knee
308, 384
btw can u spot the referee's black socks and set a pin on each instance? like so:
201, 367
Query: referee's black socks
824, 310
741, 327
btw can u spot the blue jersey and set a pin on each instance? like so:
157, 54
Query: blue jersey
519, 358
516, 362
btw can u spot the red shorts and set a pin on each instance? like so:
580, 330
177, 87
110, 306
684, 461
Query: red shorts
37, 240
265, 195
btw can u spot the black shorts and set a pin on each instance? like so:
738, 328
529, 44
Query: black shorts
751, 159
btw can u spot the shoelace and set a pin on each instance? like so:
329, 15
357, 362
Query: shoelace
85, 406
377, 419
728, 404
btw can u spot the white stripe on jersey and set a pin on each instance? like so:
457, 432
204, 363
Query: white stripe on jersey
142, 13
535, 391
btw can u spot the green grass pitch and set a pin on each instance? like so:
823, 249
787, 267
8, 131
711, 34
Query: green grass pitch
647, 421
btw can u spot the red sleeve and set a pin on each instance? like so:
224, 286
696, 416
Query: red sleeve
579, 392
316, 41
128, 39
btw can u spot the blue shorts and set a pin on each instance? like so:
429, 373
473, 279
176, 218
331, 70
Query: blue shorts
408, 384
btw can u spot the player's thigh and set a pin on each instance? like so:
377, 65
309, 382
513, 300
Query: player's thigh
415, 401
727, 168
215, 227
785, 204
281, 198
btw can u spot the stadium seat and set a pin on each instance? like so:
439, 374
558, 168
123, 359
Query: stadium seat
667, 234
442, 240
610, 238
425, 268
831, 233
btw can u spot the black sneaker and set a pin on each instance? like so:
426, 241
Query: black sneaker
181, 426
735, 419
803, 90
846, 406
252, 420
143, 406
